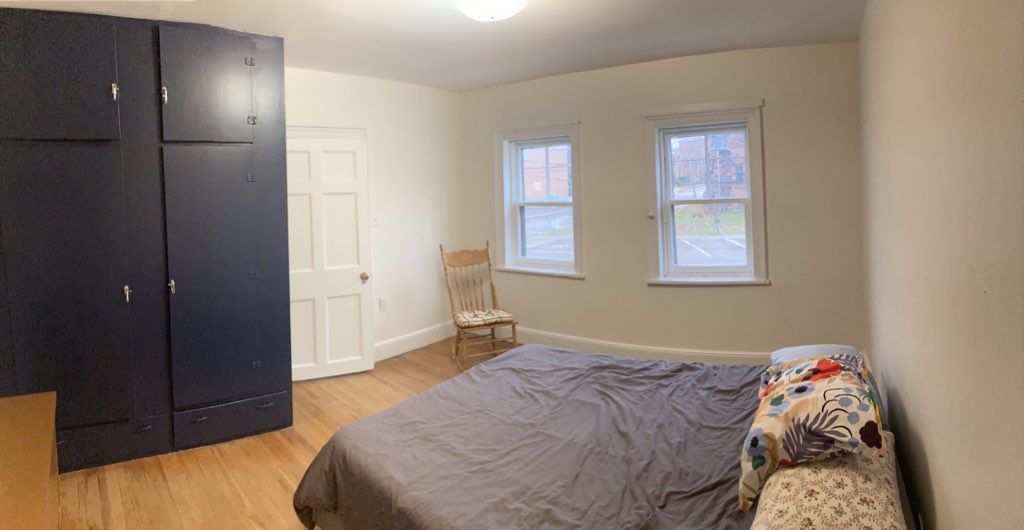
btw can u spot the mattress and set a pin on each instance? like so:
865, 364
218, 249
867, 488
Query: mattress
542, 437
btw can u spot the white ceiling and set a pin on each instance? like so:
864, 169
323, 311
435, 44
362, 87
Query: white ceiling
431, 43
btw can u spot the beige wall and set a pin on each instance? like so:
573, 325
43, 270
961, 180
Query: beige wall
412, 135
943, 125
812, 174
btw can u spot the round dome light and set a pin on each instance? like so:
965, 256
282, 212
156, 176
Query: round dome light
490, 10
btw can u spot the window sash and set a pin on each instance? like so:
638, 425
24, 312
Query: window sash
666, 186
519, 242
670, 239
544, 204
519, 202
512, 199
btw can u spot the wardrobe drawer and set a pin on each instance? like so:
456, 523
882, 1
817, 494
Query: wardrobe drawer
98, 445
232, 420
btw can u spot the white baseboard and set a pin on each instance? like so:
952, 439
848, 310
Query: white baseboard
640, 351
386, 349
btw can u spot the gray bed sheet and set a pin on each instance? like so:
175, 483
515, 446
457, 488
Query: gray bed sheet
543, 437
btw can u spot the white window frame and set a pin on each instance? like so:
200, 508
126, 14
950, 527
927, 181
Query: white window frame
507, 143
662, 270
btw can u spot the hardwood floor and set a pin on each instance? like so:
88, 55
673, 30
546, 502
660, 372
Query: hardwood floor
245, 483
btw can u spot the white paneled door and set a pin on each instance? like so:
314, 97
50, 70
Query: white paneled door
329, 252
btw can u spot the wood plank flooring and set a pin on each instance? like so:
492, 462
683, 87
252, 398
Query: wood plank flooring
245, 483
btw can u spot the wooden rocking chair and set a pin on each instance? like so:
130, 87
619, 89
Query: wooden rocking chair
468, 273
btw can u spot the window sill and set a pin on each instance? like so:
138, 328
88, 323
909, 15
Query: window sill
706, 282
542, 272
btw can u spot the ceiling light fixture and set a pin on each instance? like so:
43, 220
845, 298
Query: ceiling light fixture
490, 10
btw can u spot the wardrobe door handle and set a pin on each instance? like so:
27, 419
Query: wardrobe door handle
144, 428
264, 406
200, 419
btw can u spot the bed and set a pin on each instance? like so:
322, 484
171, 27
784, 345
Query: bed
542, 437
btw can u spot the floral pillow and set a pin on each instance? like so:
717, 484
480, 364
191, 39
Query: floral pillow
810, 409
812, 369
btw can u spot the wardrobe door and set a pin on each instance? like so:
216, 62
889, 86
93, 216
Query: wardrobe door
207, 77
56, 74
210, 239
62, 212
137, 67
273, 303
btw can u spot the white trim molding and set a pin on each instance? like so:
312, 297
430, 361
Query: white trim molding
408, 342
401, 344
712, 107
640, 351
508, 198
699, 120
704, 282
541, 272
330, 133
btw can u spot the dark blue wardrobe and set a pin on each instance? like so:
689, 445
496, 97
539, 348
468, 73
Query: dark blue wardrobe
143, 231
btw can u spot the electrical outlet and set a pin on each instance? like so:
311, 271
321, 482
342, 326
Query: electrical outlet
382, 303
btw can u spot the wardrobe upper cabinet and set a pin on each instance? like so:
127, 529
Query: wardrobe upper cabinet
58, 75
206, 85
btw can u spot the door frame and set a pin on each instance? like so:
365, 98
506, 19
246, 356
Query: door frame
305, 132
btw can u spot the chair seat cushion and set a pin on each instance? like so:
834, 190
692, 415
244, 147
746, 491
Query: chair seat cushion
469, 319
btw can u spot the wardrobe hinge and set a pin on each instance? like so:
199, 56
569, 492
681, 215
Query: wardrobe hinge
250, 178
250, 61
251, 120
254, 275
163, 95
114, 90
127, 294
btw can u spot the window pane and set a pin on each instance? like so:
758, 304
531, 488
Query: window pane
708, 165
688, 167
547, 173
710, 235
560, 170
546, 232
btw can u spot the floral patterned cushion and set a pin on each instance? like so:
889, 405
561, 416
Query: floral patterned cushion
812, 369
810, 409
845, 491
811, 350
469, 319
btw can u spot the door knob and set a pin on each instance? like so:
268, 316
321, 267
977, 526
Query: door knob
365, 277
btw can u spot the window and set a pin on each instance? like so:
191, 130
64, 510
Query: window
540, 225
709, 196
